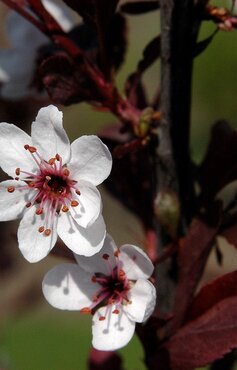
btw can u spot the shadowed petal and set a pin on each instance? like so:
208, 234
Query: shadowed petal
143, 299
12, 151
12, 205
91, 160
48, 134
97, 263
34, 245
112, 333
81, 241
89, 206
135, 262
68, 287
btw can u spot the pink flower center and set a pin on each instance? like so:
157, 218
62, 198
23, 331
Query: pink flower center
114, 288
51, 187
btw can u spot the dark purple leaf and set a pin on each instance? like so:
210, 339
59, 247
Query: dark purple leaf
150, 54
219, 166
230, 233
94, 12
65, 81
131, 178
133, 87
139, 7
116, 40
192, 257
202, 45
210, 294
207, 338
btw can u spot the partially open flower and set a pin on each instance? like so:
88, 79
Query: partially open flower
112, 285
53, 187
18, 63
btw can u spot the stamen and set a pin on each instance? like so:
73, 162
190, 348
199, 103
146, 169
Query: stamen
74, 203
52, 161
39, 211
26, 147
105, 256
65, 208
121, 274
28, 204
116, 311
78, 192
41, 229
116, 253
57, 156
32, 149
17, 171
47, 232
102, 318
11, 189
94, 279
31, 184
66, 172
85, 310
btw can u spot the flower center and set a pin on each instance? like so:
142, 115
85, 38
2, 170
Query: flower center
51, 188
114, 288
56, 185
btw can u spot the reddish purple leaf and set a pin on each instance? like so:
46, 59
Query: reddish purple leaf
139, 7
221, 288
150, 54
220, 164
192, 257
205, 339
230, 234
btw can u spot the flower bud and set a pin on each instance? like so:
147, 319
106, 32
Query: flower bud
167, 210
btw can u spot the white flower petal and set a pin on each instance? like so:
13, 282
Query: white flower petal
34, 245
97, 263
68, 287
12, 151
12, 205
48, 134
135, 262
112, 333
23, 34
4, 75
90, 204
81, 241
15, 78
91, 160
143, 299
25, 39
64, 15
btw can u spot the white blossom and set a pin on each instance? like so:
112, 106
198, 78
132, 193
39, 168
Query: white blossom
112, 285
53, 187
